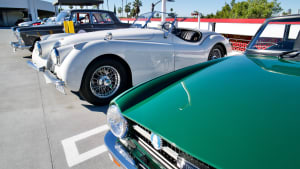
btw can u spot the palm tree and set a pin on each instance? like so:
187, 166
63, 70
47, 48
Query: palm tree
136, 6
107, 5
127, 8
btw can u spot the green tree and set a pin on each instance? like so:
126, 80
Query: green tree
136, 8
248, 9
232, 3
115, 10
120, 10
225, 12
127, 8
81, 6
240, 10
70, 6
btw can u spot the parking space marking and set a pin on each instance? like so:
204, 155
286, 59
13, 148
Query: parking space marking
71, 152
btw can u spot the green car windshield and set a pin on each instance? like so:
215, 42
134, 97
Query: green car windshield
277, 36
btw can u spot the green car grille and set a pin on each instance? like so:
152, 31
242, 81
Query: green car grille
169, 152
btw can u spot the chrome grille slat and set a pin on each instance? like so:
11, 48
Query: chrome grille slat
156, 154
169, 152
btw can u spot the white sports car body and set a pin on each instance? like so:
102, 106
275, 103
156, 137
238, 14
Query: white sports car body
102, 64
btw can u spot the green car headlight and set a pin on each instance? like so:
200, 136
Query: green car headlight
116, 122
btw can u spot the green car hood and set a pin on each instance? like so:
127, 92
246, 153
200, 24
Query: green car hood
238, 113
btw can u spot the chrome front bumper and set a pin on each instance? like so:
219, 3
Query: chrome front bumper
118, 152
17, 45
49, 77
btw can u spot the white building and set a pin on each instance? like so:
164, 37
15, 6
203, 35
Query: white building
13, 10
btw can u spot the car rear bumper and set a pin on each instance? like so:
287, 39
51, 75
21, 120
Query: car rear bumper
49, 77
118, 153
17, 45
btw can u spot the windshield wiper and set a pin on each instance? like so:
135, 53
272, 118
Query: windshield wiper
285, 54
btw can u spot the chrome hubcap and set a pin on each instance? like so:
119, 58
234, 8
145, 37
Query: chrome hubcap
215, 54
105, 82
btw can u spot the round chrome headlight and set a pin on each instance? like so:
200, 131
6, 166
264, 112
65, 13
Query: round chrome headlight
38, 47
116, 122
57, 44
55, 56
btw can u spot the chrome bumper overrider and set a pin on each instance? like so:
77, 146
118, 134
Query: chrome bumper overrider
49, 77
118, 151
17, 45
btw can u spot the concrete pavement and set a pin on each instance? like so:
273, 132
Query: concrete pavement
35, 119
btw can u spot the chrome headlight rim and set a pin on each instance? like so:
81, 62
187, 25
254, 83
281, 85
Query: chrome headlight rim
117, 123
38, 47
57, 44
55, 56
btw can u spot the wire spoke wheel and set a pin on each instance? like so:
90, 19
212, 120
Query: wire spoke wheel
105, 82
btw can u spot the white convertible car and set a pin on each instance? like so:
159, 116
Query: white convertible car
102, 64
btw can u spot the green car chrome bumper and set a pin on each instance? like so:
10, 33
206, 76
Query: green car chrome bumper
132, 158
118, 151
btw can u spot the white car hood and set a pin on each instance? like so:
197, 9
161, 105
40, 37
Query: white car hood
117, 34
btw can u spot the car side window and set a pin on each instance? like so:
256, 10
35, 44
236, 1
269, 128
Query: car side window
101, 18
81, 17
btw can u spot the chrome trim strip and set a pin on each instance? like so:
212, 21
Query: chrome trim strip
49, 77
17, 45
142, 132
169, 151
156, 155
33, 66
145, 134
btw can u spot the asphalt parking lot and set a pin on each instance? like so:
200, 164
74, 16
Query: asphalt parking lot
39, 127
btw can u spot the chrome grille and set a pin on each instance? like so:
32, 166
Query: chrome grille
169, 151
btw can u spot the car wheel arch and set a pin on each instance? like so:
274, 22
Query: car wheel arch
223, 47
114, 57
32, 47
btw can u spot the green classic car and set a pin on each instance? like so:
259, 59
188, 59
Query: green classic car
238, 112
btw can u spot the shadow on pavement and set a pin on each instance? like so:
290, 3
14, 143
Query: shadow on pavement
96, 108
27, 57
78, 95
4, 27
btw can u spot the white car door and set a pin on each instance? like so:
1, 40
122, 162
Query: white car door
150, 59
188, 53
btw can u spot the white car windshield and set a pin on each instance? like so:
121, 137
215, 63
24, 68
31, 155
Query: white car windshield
144, 20
61, 16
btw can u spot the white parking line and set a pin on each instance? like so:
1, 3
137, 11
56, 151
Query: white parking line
71, 152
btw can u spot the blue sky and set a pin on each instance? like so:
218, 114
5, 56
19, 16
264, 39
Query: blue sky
185, 7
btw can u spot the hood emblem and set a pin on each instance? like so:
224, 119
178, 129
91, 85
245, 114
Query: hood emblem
108, 36
156, 141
